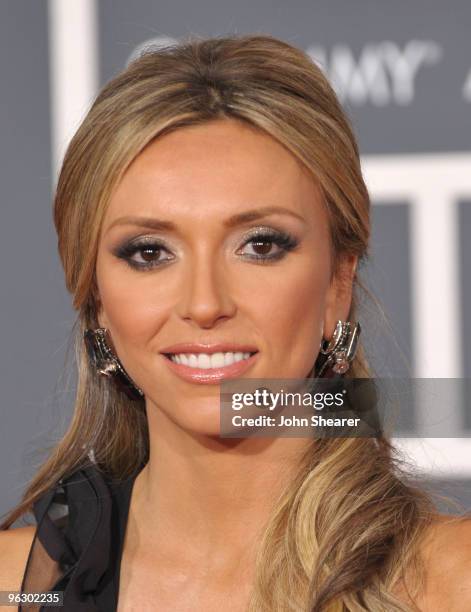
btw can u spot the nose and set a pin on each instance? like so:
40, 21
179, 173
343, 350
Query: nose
205, 294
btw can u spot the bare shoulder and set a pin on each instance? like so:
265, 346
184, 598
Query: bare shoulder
15, 545
446, 553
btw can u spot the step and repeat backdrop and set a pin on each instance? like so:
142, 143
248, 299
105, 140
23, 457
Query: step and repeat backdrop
403, 74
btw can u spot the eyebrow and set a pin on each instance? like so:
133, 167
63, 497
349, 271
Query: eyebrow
234, 221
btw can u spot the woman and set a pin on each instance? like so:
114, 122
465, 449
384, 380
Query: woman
211, 217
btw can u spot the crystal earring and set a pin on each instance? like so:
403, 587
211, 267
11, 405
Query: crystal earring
337, 353
107, 363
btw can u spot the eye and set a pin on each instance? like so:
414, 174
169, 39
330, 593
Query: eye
262, 243
144, 254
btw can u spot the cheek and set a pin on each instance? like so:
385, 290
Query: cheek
295, 316
133, 308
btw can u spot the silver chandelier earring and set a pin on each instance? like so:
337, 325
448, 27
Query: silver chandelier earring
336, 354
106, 362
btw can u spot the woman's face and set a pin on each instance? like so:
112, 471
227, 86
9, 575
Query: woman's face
216, 234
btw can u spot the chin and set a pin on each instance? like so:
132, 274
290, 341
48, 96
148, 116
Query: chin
198, 416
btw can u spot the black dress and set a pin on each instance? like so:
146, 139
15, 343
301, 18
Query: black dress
77, 547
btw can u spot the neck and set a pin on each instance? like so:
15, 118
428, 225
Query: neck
209, 494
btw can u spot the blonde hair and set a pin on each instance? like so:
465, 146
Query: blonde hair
347, 528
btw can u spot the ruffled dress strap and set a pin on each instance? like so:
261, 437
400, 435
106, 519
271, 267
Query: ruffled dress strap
78, 542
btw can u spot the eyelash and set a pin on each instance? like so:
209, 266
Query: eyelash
286, 242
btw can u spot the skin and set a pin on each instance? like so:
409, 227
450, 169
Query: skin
212, 495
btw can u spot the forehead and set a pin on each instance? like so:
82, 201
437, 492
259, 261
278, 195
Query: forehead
202, 171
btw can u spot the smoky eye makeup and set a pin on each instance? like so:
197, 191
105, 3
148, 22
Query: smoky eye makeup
150, 252
263, 236
260, 245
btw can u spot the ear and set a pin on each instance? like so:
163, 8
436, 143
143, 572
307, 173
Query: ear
339, 295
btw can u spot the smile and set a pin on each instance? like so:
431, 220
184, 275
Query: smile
210, 368
206, 361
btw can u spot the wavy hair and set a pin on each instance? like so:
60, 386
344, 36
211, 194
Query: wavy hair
347, 528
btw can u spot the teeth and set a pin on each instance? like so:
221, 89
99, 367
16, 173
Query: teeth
206, 361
